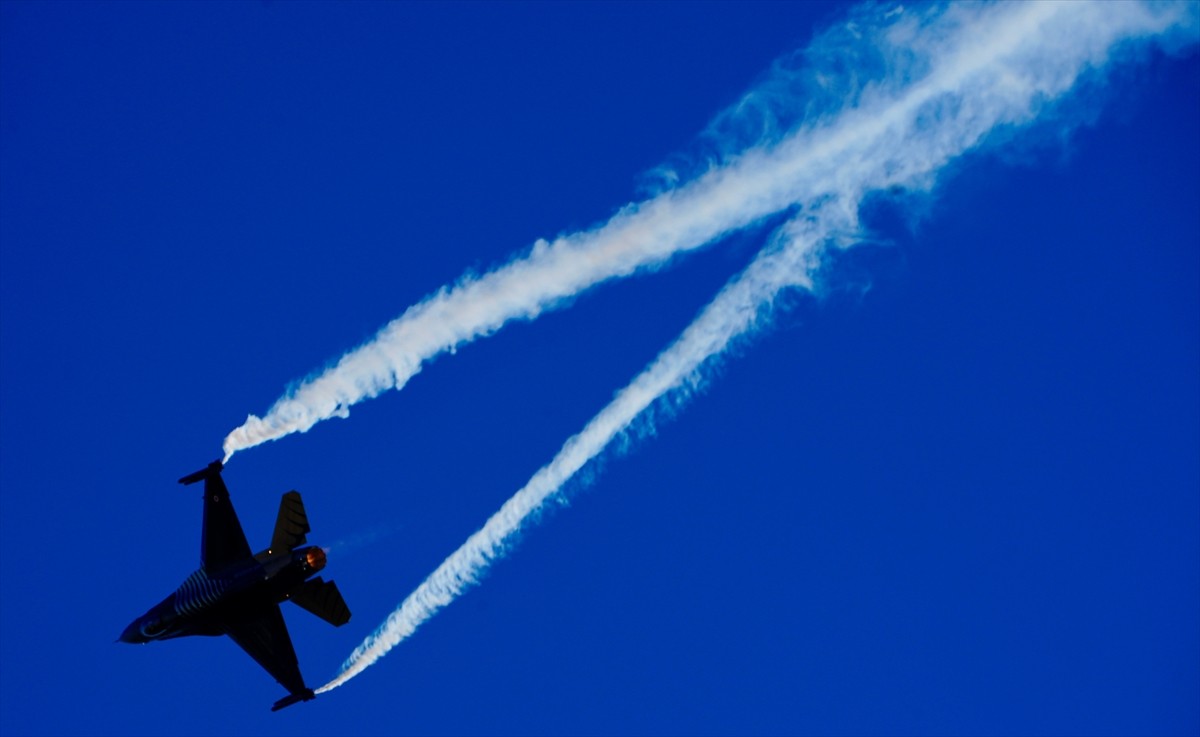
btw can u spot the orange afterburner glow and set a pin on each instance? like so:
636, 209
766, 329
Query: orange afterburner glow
315, 558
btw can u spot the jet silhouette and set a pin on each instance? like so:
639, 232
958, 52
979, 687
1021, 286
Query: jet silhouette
238, 593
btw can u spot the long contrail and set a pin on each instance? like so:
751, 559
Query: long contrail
968, 70
748, 186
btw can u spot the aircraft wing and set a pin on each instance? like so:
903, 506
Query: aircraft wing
222, 541
265, 638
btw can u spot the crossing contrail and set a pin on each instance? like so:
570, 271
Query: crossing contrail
952, 75
762, 180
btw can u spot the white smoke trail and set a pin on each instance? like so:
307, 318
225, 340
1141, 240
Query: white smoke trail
732, 313
980, 67
749, 186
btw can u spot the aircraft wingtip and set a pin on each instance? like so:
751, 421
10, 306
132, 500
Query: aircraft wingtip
295, 698
212, 468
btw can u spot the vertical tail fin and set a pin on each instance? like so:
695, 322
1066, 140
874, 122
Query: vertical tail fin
291, 526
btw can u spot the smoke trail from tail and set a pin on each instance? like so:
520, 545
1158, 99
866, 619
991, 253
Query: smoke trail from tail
815, 159
968, 71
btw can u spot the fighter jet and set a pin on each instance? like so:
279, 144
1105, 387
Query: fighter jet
238, 593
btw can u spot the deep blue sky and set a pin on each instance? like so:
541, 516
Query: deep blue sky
964, 500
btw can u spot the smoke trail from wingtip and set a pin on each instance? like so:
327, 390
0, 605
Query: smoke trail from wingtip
974, 68
639, 236
731, 314
747, 186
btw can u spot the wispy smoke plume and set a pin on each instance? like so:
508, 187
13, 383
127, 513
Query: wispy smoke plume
352, 543
932, 85
810, 161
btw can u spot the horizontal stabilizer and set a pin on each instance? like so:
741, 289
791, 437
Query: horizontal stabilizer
323, 599
296, 698
212, 469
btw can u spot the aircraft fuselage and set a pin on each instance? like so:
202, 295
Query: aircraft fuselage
238, 593
205, 602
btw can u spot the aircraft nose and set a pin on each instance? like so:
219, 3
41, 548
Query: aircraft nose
131, 634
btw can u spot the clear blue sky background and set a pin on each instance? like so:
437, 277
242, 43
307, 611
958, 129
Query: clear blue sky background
964, 500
